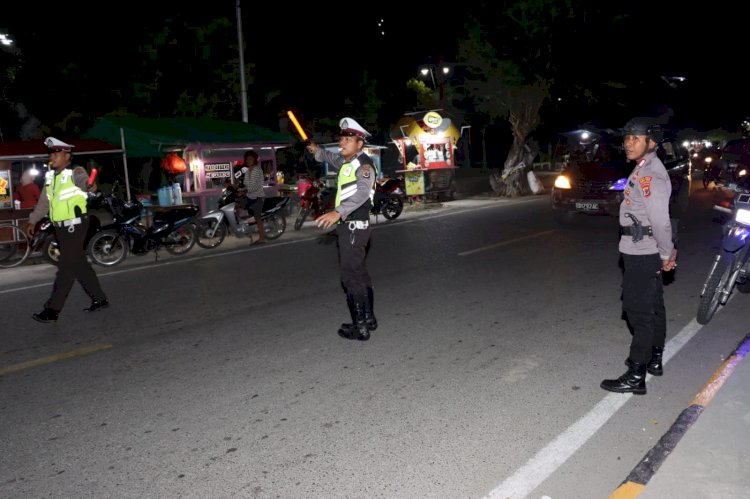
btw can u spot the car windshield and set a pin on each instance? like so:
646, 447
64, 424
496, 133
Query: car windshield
583, 146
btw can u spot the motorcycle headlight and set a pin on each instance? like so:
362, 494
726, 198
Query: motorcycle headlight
619, 184
742, 216
562, 182
708, 159
742, 172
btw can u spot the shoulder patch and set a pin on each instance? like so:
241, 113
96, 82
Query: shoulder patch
365, 171
645, 180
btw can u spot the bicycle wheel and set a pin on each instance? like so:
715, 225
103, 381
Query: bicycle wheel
14, 246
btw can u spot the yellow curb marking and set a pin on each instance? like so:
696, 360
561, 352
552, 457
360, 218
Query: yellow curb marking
54, 358
717, 380
627, 490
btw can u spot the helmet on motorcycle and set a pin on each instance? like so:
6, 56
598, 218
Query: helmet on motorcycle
644, 126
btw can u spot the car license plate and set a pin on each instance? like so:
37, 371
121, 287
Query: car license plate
587, 206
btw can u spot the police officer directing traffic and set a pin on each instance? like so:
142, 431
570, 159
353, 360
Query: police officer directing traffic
647, 250
351, 215
64, 197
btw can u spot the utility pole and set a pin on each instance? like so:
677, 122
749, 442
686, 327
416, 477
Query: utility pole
243, 86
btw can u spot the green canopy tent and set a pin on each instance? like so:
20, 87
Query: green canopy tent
154, 137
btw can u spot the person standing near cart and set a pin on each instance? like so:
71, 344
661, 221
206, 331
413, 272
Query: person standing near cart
64, 197
351, 216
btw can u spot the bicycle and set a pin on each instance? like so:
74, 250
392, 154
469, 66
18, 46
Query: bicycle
15, 246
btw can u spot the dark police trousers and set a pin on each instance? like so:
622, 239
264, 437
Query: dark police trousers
73, 266
643, 303
352, 255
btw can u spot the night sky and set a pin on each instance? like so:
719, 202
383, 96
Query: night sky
308, 52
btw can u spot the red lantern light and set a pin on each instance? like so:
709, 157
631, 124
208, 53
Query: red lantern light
173, 164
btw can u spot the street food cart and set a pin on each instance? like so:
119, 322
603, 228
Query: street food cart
426, 142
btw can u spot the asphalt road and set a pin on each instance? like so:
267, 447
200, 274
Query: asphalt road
220, 374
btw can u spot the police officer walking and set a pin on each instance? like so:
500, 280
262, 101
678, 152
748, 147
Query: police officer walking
647, 250
351, 215
64, 197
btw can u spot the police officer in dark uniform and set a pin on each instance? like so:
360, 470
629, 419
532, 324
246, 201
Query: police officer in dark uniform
351, 215
647, 250
64, 197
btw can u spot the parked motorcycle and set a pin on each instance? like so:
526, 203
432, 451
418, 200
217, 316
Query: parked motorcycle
214, 226
388, 199
730, 266
316, 200
172, 228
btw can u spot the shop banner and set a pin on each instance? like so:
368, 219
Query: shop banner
414, 183
6, 195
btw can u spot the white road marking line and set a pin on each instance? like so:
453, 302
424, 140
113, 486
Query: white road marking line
545, 462
505, 243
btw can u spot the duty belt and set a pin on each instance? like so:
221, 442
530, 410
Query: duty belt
69, 223
628, 230
357, 224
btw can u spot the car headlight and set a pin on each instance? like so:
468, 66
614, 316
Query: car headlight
562, 182
619, 184
742, 216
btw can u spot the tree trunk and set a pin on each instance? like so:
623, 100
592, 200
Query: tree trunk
523, 119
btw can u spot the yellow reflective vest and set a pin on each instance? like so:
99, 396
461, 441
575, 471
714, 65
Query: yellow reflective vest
64, 196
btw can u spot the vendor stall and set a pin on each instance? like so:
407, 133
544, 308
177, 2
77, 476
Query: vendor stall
197, 154
426, 142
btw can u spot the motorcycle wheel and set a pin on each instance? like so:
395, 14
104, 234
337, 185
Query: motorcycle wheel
107, 248
303, 212
715, 284
51, 250
393, 208
204, 229
181, 240
275, 226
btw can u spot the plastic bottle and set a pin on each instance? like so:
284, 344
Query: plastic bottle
177, 193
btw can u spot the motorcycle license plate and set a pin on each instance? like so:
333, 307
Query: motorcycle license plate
587, 206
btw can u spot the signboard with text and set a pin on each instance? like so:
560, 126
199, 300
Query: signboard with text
217, 170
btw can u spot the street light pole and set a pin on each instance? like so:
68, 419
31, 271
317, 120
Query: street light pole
438, 82
243, 87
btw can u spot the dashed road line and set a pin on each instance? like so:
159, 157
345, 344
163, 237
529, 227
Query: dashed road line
79, 352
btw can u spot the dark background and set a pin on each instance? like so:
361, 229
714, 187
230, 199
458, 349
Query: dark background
309, 58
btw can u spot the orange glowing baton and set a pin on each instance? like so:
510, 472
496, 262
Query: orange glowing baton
296, 125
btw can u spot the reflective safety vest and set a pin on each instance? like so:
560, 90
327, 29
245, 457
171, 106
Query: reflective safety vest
64, 196
347, 181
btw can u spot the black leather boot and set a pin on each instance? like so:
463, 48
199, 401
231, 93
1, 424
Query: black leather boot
633, 381
347, 327
46, 315
655, 366
359, 330
372, 322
